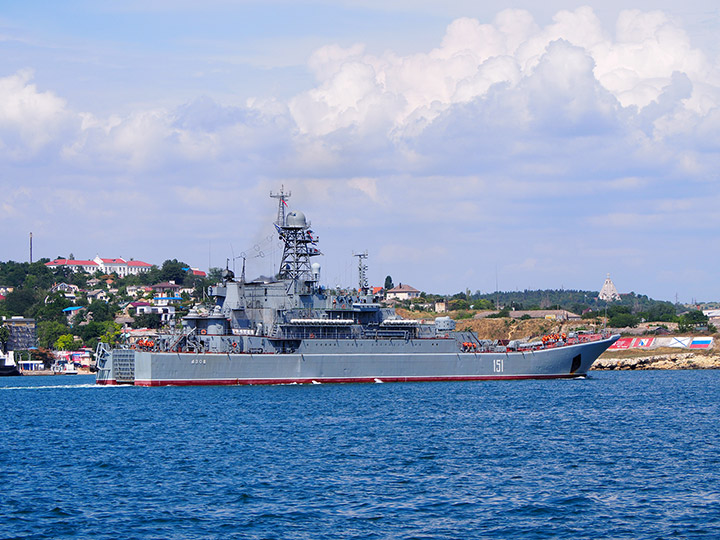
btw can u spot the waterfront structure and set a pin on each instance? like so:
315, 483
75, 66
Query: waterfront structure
291, 329
23, 333
609, 293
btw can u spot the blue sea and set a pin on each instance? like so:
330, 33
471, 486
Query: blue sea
618, 455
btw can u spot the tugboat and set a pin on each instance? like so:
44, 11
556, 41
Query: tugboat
290, 329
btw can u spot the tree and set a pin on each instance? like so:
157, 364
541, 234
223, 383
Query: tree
173, 270
215, 274
623, 320
458, 304
4, 338
695, 317
100, 311
147, 320
92, 330
26, 275
112, 334
19, 302
690, 320
661, 311
484, 304
49, 332
503, 313
65, 342
51, 309
389, 283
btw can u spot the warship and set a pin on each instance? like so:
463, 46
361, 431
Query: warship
291, 329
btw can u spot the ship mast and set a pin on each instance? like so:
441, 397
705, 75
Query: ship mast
363, 286
282, 198
299, 245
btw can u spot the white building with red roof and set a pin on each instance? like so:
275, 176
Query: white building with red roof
107, 266
74, 265
138, 267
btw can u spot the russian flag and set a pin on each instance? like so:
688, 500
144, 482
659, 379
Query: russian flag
701, 343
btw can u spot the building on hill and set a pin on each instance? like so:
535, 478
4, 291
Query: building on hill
138, 267
107, 266
166, 312
609, 293
166, 287
402, 292
64, 287
74, 265
121, 267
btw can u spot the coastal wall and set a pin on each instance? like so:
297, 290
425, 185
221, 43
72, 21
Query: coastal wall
672, 360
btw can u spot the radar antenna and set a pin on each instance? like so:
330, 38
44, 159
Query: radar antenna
363, 286
282, 198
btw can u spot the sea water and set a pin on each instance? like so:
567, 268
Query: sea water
618, 455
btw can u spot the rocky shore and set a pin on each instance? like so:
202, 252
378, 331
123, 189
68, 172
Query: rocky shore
675, 360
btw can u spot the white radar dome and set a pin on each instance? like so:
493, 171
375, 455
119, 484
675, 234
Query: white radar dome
296, 220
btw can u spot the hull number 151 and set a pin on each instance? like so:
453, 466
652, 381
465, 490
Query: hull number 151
499, 365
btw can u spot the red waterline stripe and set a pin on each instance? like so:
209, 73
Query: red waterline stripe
234, 382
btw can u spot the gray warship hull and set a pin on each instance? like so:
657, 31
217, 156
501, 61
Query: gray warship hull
352, 362
289, 328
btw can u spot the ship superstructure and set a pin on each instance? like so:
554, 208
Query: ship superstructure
291, 329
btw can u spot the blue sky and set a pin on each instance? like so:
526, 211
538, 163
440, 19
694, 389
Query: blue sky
456, 141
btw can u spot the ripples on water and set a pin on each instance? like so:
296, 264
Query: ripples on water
620, 455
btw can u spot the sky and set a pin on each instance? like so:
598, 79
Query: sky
463, 144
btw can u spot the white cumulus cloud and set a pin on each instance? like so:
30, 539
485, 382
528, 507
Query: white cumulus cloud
29, 119
634, 66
